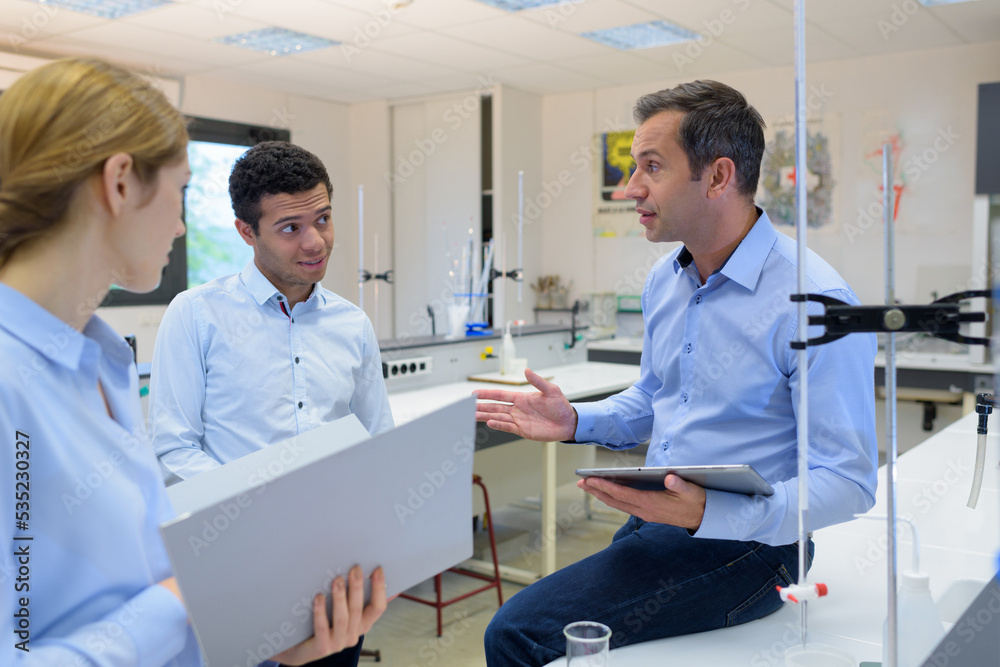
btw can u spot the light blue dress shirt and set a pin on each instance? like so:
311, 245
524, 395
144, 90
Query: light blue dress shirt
94, 498
235, 371
719, 384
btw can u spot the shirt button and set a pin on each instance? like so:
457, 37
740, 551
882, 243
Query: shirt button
684, 397
296, 360
280, 298
697, 299
300, 404
688, 348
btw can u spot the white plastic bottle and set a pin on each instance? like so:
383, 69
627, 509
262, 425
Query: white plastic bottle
507, 351
918, 622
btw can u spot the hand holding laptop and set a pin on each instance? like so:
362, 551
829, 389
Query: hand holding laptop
350, 618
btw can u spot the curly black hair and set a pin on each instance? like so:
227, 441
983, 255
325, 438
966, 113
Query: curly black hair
270, 168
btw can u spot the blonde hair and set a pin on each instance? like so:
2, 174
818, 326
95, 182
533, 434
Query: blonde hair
59, 124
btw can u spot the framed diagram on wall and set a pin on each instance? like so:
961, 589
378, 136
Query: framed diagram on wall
776, 188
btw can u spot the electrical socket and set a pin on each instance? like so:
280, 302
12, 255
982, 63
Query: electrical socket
399, 368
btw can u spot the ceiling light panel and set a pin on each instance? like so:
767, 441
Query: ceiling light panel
277, 41
518, 5
935, 3
107, 9
642, 35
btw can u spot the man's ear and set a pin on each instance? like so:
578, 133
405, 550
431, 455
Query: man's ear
721, 177
118, 182
246, 232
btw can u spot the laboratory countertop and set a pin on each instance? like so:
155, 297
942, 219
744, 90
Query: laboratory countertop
616, 344
940, 361
958, 548
396, 344
577, 381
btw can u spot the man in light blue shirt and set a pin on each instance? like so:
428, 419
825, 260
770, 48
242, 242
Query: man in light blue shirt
719, 384
251, 359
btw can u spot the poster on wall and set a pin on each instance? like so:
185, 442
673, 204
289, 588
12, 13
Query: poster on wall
614, 214
920, 174
776, 189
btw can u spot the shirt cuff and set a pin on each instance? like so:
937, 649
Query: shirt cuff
158, 627
589, 424
726, 517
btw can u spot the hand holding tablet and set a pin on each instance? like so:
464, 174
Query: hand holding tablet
733, 478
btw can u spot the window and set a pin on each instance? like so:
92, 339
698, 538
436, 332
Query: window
211, 247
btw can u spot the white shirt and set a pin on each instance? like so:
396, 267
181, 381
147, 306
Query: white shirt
234, 371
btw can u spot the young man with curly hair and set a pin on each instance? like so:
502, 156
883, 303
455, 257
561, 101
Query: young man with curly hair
254, 358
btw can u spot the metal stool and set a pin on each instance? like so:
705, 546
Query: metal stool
494, 581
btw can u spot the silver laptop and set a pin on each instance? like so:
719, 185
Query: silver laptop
253, 543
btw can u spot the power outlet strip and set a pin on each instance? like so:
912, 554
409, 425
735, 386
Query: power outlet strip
399, 368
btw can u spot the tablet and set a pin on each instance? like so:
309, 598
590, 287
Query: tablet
733, 478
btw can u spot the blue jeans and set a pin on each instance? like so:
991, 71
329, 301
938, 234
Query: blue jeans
652, 581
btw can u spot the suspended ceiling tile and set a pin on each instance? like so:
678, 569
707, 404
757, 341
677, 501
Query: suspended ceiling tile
524, 38
708, 16
309, 16
30, 21
374, 62
872, 36
193, 21
973, 21
545, 78
163, 45
440, 14
617, 67
777, 46
689, 60
580, 17
450, 52
172, 66
841, 9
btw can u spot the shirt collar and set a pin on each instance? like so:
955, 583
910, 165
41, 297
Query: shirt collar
262, 290
54, 339
745, 264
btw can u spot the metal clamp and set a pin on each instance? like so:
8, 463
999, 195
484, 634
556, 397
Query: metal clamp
513, 273
939, 319
367, 275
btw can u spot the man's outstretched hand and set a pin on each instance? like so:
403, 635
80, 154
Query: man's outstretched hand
544, 415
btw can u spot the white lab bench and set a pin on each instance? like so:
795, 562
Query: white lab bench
518, 468
937, 377
958, 544
615, 350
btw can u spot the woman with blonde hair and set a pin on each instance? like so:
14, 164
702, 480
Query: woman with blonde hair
93, 166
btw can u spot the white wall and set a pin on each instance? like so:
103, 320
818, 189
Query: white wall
925, 93
369, 164
436, 198
517, 146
